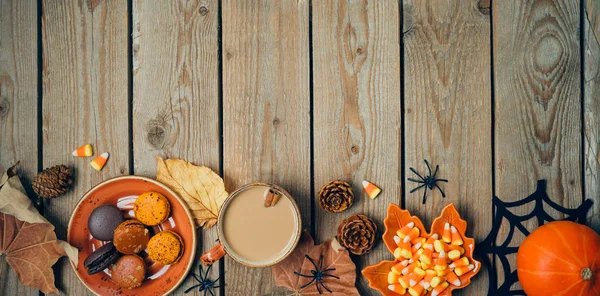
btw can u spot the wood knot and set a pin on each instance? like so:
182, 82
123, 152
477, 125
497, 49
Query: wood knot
359, 50
354, 149
203, 10
156, 137
484, 6
3, 107
276, 121
228, 55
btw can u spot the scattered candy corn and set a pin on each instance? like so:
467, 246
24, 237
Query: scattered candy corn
99, 162
83, 151
427, 265
371, 190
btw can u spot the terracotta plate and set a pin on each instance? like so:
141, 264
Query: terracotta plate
122, 192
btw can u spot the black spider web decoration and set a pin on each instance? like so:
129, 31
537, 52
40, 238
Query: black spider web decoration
502, 211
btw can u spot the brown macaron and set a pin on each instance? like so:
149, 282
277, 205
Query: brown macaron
131, 237
151, 208
129, 271
166, 247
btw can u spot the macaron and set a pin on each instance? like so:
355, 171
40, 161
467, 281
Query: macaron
103, 221
166, 247
129, 271
101, 258
131, 237
151, 208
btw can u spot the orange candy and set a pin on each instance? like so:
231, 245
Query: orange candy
99, 162
83, 151
371, 190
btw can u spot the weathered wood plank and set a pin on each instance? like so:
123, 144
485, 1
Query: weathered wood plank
84, 101
538, 101
448, 111
591, 24
18, 105
357, 132
265, 111
175, 91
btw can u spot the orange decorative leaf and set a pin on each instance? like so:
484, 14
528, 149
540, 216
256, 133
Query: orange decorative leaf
395, 220
31, 250
333, 256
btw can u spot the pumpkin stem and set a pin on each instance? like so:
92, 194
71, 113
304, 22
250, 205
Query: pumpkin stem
586, 274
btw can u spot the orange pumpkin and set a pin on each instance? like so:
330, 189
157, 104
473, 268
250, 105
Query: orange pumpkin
560, 258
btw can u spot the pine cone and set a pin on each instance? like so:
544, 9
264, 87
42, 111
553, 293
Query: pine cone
336, 196
53, 182
357, 234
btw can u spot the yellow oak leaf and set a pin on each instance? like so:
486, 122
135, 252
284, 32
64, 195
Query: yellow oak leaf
202, 189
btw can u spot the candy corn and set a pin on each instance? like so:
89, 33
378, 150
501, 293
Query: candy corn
416, 276
371, 190
398, 253
454, 254
456, 239
418, 240
429, 275
392, 278
416, 290
410, 268
415, 247
440, 262
412, 234
99, 162
425, 258
397, 289
404, 280
440, 246
464, 261
83, 151
462, 270
446, 234
397, 268
403, 232
453, 279
455, 247
406, 251
439, 289
435, 281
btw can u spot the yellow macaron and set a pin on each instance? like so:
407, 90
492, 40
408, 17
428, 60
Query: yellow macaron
151, 208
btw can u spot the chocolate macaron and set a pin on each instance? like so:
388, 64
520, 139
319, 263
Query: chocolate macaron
103, 221
166, 247
129, 271
131, 237
101, 258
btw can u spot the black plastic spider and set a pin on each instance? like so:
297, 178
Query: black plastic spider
428, 181
204, 284
318, 275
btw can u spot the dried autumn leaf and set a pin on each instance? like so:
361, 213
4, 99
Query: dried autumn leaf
202, 189
334, 256
31, 250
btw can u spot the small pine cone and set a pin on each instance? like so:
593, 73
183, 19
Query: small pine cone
357, 234
53, 182
336, 196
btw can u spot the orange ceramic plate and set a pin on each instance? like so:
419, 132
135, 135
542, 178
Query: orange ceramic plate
395, 219
122, 192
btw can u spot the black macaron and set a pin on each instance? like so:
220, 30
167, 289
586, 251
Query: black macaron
103, 220
101, 258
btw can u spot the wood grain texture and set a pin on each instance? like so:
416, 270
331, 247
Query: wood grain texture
357, 134
448, 110
538, 102
84, 101
591, 24
266, 107
176, 93
18, 105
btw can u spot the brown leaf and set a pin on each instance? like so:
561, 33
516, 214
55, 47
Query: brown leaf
202, 189
31, 250
334, 256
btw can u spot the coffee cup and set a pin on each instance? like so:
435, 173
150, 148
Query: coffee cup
259, 225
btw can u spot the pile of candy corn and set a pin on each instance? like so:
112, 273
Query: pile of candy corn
427, 264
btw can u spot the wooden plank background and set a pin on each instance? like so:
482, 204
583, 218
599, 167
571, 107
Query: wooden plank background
300, 92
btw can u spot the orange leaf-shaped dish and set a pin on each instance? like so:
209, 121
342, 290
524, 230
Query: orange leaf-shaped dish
377, 274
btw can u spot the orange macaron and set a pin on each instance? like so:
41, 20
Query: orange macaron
166, 247
151, 208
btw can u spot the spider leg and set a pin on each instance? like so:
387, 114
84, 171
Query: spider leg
328, 269
333, 276
437, 167
413, 170
304, 275
311, 261
442, 191
191, 288
318, 287
441, 180
323, 284
211, 292
307, 284
417, 188
424, 194
196, 277
415, 180
321, 262
428, 166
